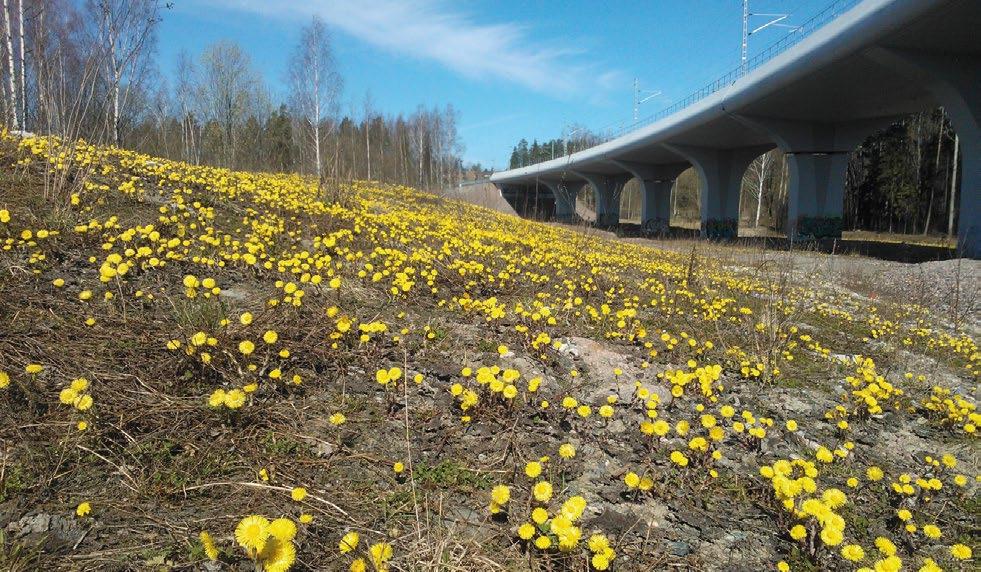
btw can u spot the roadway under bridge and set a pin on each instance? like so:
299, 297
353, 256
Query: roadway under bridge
816, 101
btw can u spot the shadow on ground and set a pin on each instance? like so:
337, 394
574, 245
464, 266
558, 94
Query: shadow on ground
891, 251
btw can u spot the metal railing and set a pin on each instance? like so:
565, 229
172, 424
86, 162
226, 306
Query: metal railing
815, 22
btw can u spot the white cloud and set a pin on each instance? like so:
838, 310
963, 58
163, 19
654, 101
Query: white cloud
432, 30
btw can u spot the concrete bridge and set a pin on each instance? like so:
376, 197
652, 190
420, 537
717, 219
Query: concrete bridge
816, 101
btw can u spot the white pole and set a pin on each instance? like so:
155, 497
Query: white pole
745, 46
636, 97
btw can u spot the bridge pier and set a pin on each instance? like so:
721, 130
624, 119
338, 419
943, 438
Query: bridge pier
608, 188
815, 193
720, 174
565, 193
656, 182
817, 160
969, 225
956, 84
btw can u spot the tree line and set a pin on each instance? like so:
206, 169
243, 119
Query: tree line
89, 70
902, 179
576, 139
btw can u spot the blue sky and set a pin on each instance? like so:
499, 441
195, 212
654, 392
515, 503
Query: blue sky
512, 68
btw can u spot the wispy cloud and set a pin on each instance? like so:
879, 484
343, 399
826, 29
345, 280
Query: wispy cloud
434, 30
491, 122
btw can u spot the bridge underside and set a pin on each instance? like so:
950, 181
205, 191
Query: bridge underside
530, 201
816, 111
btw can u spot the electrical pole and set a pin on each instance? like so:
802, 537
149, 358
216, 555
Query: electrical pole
776, 19
636, 89
568, 137
745, 49
639, 100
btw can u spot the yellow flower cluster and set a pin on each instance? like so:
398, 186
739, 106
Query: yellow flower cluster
952, 409
870, 391
76, 396
268, 543
232, 399
794, 484
379, 554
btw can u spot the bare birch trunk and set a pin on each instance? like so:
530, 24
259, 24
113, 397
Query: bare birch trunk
953, 188
23, 64
12, 90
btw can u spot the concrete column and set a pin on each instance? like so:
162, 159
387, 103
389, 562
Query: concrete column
956, 83
817, 160
656, 182
608, 190
720, 174
815, 194
565, 193
969, 224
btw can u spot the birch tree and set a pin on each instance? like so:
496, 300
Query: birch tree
12, 90
953, 187
23, 64
126, 33
66, 67
315, 85
229, 88
368, 114
757, 179
186, 82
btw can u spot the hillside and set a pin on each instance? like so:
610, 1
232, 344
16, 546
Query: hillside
204, 368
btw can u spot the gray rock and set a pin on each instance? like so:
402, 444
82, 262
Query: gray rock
55, 531
616, 426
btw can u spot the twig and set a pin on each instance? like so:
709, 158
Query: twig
408, 447
122, 470
263, 486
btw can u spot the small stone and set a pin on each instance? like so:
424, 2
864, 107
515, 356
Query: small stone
679, 548
738, 535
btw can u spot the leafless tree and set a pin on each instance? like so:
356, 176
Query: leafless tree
186, 107
368, 113
315, 85
66, 70
936, 165
126, 33
229, 89
757, 178
12, 91
953, 188
23, 64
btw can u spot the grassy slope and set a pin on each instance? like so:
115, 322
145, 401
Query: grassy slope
396, 278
